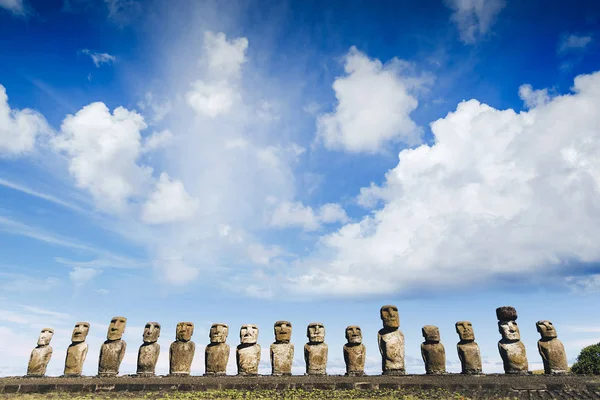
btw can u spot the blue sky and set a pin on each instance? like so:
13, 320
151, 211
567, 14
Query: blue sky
242, 162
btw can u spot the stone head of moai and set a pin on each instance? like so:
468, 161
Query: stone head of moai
184, 331
283, 331
80, 332
116, 328
45, 337
507, 323
389, 316
218, 333
249, 334
431, 334
546, 330
354, 334
151, 332
315, 332
465, 331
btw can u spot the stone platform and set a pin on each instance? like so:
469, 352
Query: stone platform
478, 386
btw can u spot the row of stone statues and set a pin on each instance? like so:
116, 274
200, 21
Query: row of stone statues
390, 340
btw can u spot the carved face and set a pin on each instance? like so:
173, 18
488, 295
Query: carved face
389, 316
218, 333
316, 332
151, 332
80, 332
546, 329
116, 328
465, 331
184, 331
431, 333
353, 334
45, 336
283, 331
249, 334
509, 330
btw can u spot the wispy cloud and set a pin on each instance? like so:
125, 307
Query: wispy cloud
16, 7
35, 193
99, 58
573, 42
474, 18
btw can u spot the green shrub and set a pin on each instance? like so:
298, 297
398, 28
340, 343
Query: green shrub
588, 361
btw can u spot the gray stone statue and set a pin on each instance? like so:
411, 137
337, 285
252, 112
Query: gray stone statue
248, 351
391, 342
432, 351
40, 356
113, 349
315, 351
354, 352
551, 349
149, 350
181, 351
282, 351
511, 349
468, 350
216, 354
77, 350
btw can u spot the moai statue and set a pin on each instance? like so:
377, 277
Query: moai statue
216, 354
432, 351
354, 352
282, 351
149, 350
248, 351
181, 352
77, 350
551, 349
40, 356
315, 351
391, 342
468, 350
113, 349
511, 349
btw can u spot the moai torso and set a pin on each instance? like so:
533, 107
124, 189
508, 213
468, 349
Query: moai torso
514, 357
315, 356
181, 355
248, 357
38, 361
111, 355
391, 346
215, 358
282, 358
76, 354
470, 357
147, 358
434, 357
354, 357
554, 356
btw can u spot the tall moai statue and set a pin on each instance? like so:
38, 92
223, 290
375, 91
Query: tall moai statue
248, 351
551, 349
468, 349
181, 352
391, 342
354, 352
511, 349
40, 356
113, 349
432, 351
216, 354
315, 351
77, 350
282, 351
149, 350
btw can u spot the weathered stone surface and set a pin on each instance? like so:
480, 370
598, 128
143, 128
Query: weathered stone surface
149, 350
551, 349
316, 350
354, 352
217, 352
181, 351
391, 342
511, 349
40, 356
282, 351
432, 351
113, 349
78, 349
468, 350
248, 352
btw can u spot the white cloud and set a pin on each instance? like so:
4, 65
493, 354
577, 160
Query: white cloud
573, 43
533, 98
99, 58
224, 58
212, 100
331, 213
122, 12
17, 7
157, 141
373, 106
262, 255
80, 276
19, 129
168, 203
474, 18
498, 193
159, 108
295, 214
